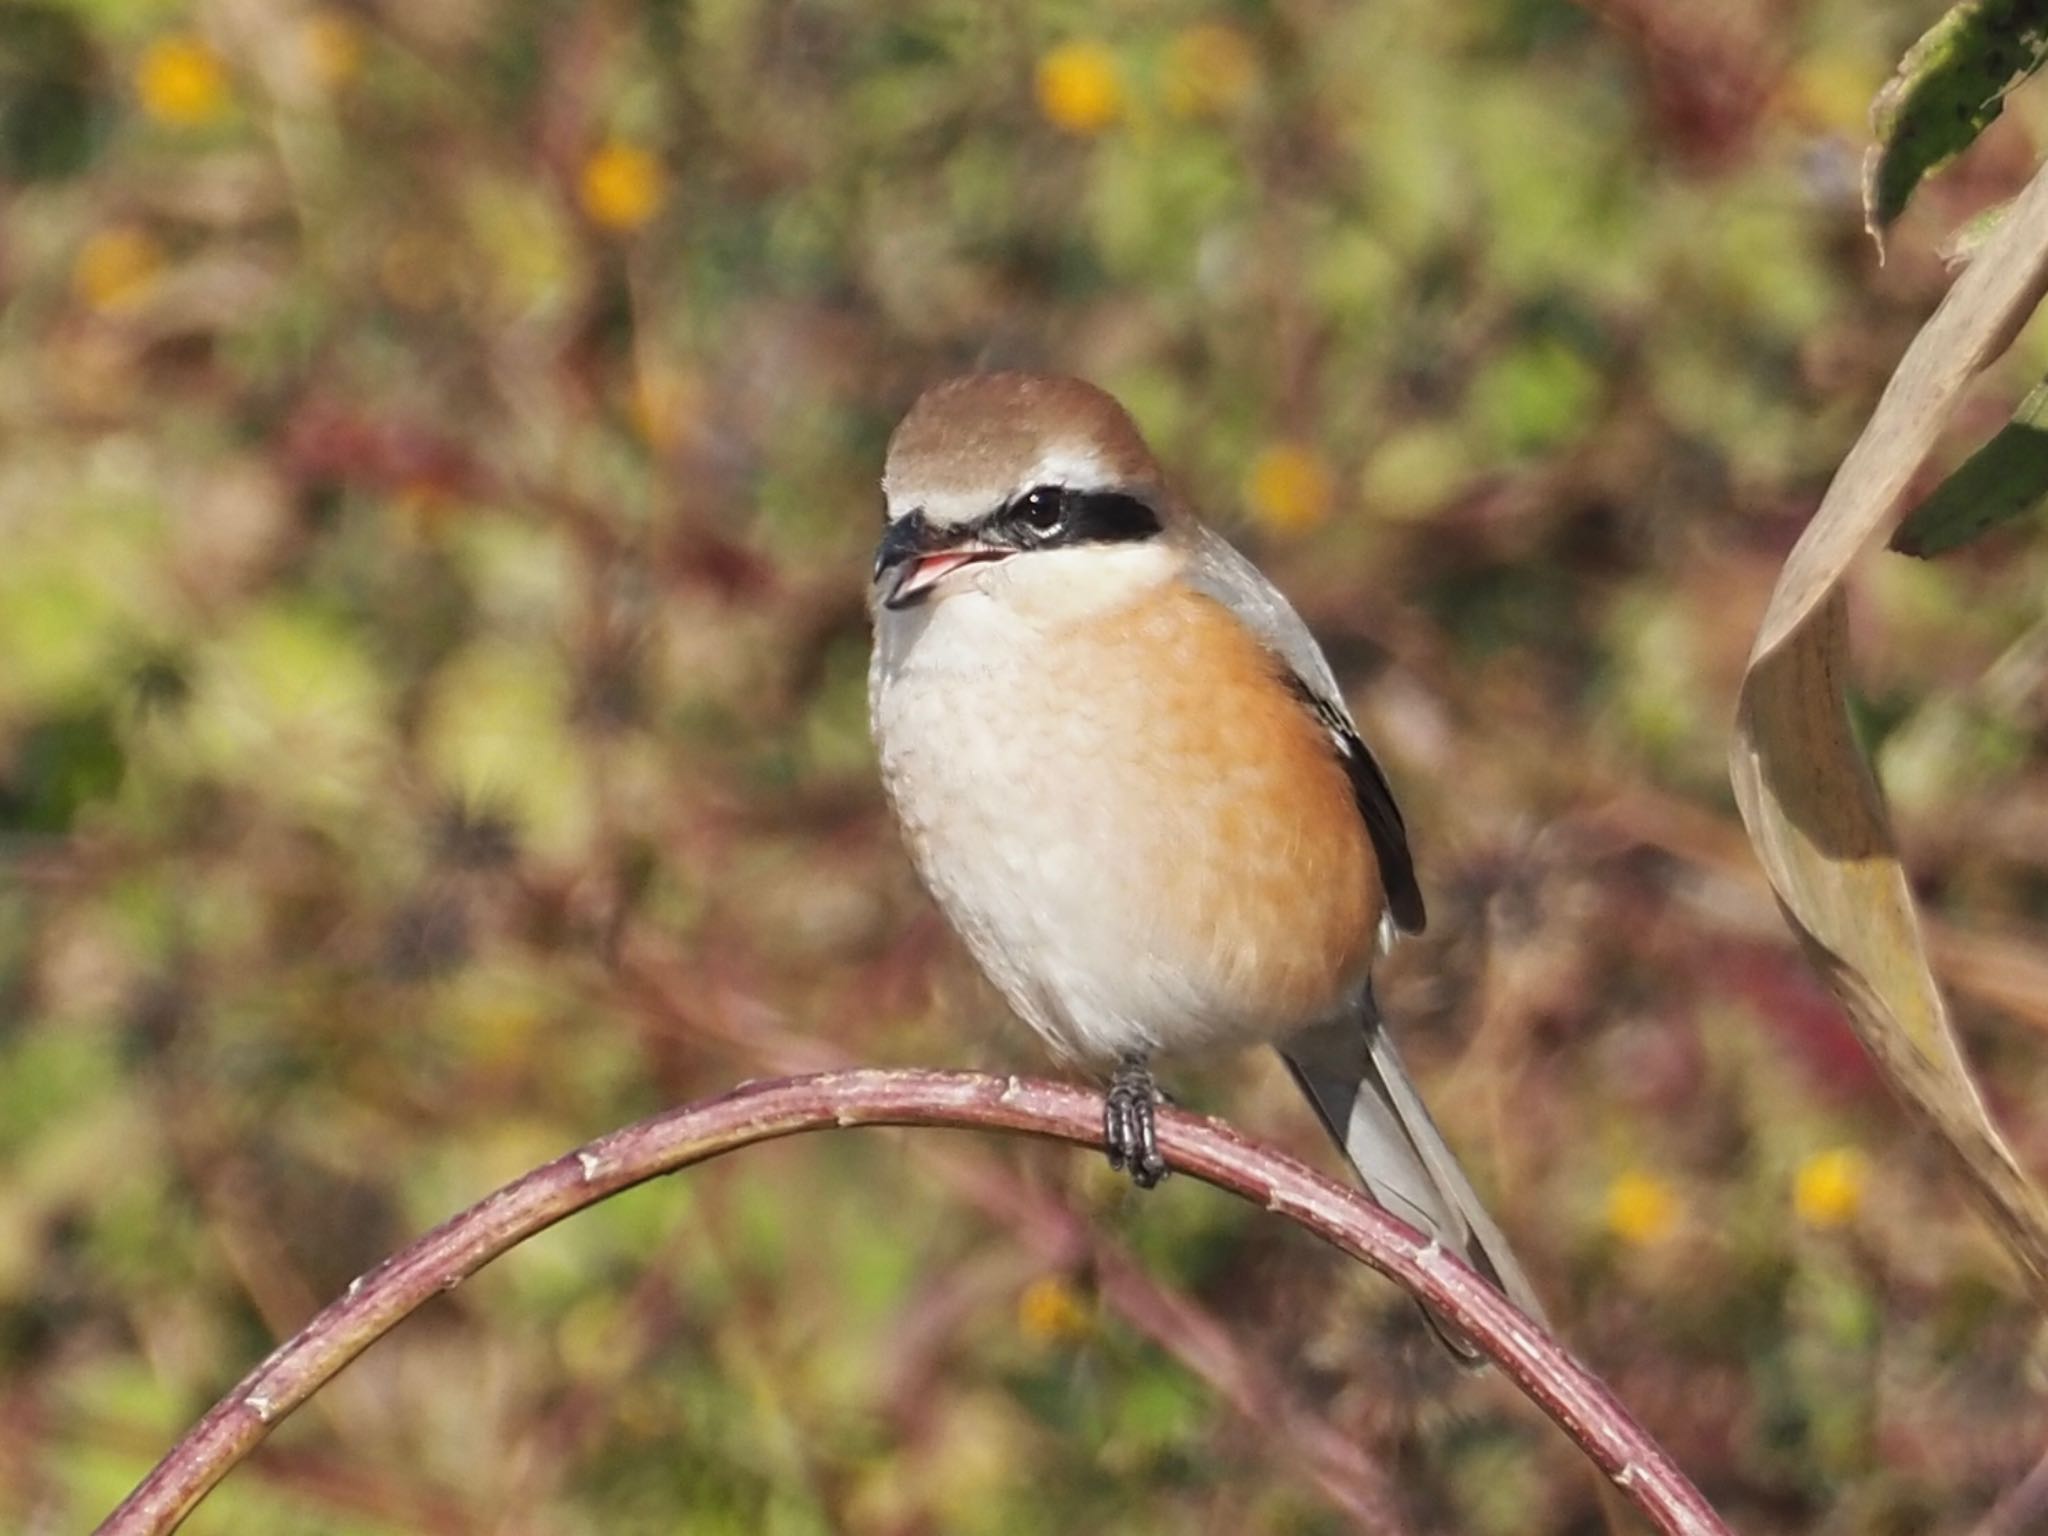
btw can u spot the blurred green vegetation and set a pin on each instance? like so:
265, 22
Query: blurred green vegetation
438, 448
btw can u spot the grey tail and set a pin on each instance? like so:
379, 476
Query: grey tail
1351, 1073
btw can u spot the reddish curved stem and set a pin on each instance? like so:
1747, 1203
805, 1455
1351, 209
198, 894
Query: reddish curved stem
1204, 1148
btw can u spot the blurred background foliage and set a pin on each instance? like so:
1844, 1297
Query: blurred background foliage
438, 446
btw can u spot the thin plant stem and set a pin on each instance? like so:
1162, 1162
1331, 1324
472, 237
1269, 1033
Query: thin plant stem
1203, 1148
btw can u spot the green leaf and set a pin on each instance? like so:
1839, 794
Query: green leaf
60, 766
1536, 396
1949, 87
50, 121
2005, 478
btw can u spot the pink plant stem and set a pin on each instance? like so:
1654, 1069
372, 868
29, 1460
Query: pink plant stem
1204, 1148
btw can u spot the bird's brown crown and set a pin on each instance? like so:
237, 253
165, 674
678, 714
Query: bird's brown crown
991, 433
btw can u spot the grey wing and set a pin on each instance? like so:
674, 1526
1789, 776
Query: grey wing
1216, 568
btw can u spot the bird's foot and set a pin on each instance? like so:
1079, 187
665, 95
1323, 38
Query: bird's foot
1129, 1130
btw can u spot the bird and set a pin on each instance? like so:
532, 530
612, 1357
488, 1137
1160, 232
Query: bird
1126, 774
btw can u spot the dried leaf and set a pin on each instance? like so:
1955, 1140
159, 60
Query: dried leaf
1807, 795
1949, 87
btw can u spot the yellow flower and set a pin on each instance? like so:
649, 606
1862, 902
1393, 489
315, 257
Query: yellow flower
1289, 488
1828, 1189
421, 511
621, 186
1210, 68
663, 404
332, 41
1641, 1208
116, 267
181, 81
1049, 1311
1079, 90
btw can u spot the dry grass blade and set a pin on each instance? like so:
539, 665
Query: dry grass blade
1805, 789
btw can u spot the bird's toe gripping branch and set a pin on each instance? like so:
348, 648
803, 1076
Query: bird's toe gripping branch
1129, 1130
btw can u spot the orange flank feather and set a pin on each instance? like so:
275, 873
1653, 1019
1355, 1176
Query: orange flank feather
1259, 862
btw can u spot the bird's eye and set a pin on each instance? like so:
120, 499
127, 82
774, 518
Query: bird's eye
1043, 509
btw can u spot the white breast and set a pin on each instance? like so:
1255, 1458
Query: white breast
987, 817
1047, 835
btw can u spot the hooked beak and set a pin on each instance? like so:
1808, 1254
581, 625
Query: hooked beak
921, 556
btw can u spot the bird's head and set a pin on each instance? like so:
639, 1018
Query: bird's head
1026, 488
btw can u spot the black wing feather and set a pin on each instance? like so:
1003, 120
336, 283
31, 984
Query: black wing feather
1375, 798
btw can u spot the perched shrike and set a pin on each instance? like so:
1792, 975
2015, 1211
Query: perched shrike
1127, 775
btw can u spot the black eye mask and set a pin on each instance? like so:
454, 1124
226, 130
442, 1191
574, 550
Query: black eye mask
1047, 516
1044, 517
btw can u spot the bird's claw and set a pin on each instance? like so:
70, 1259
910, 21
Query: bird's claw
1129, 1128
